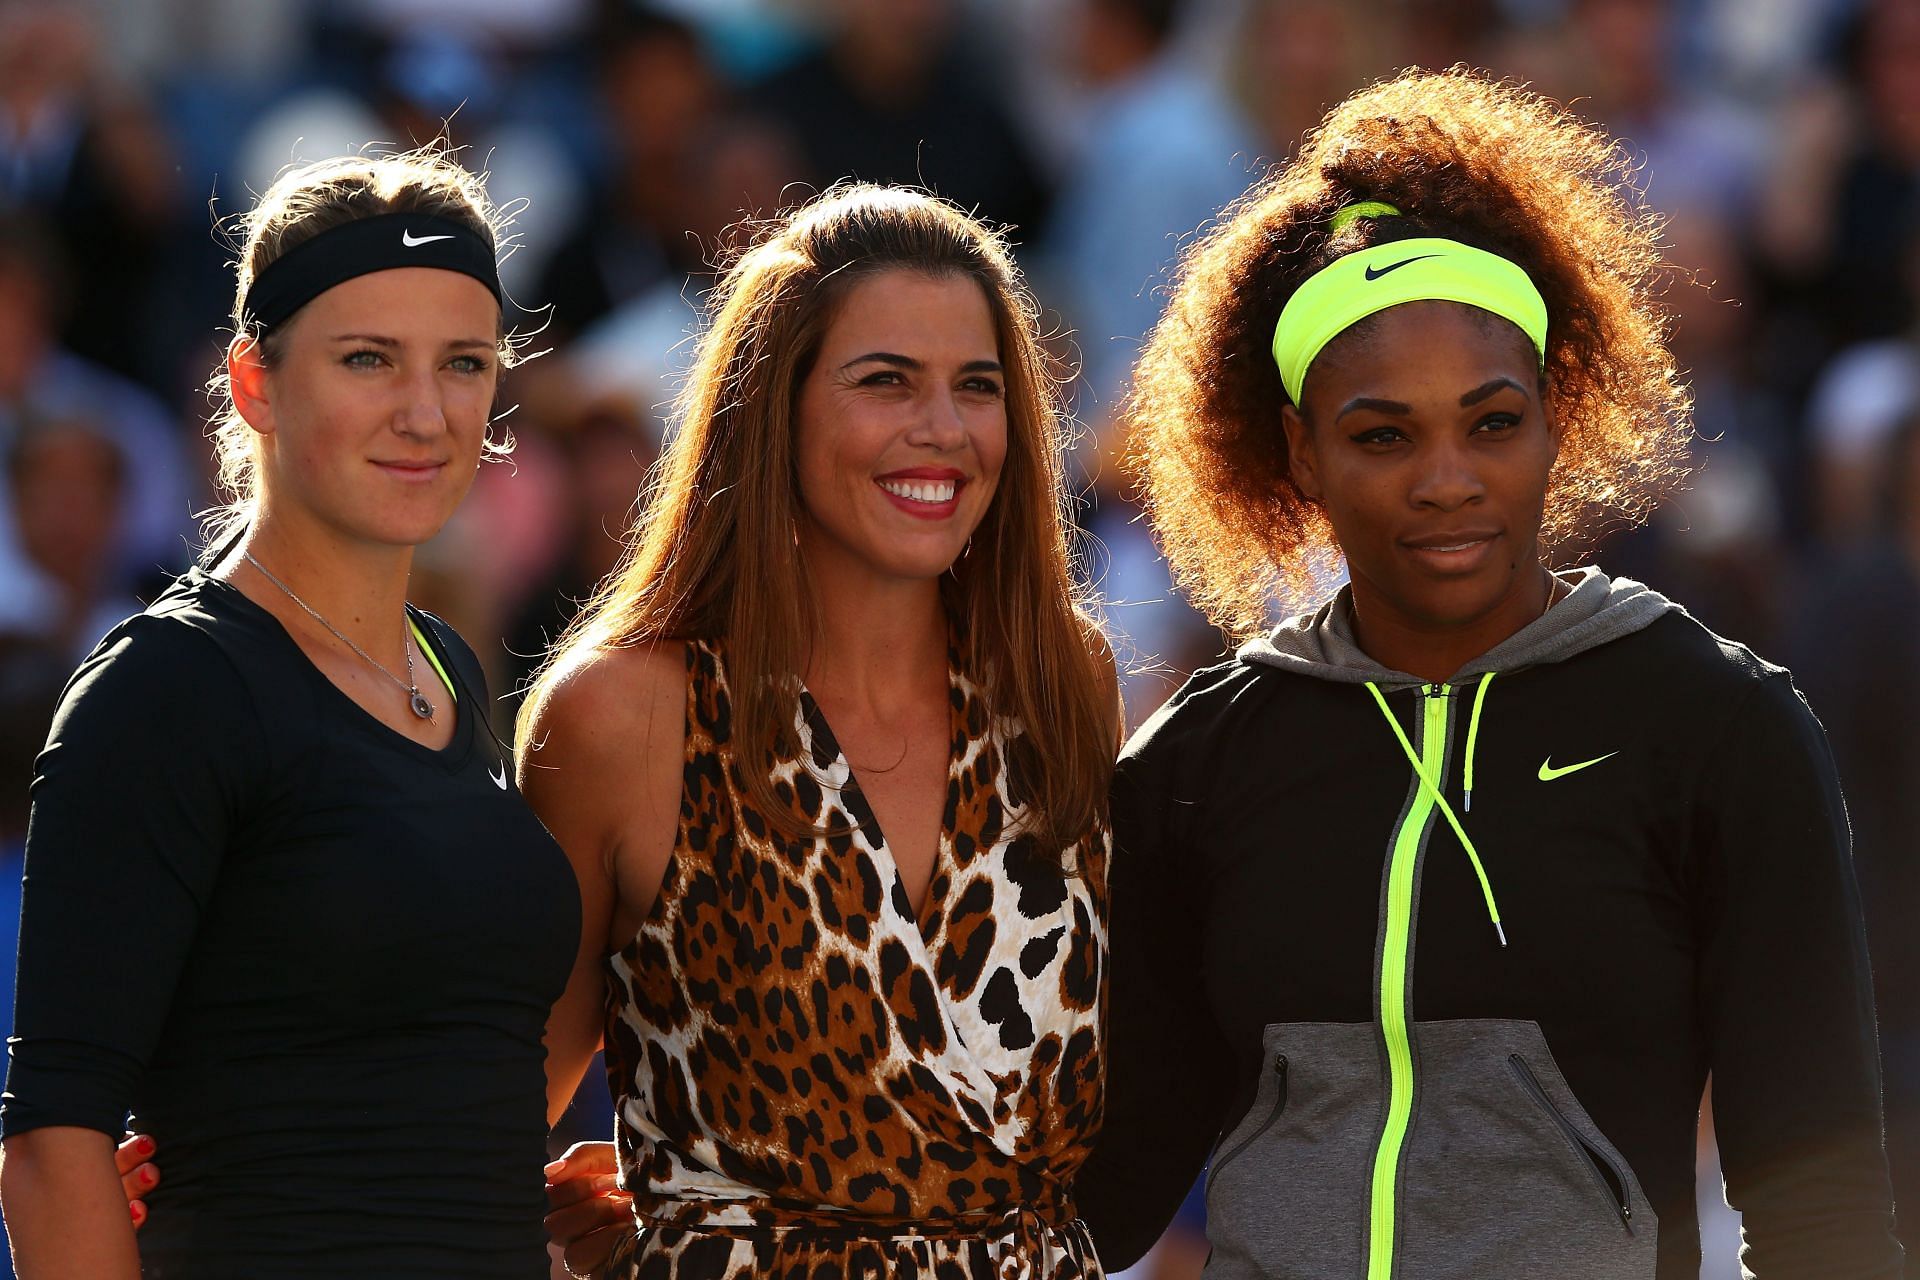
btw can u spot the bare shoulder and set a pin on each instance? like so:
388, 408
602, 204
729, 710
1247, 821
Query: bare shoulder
604, 733
601, 758
603, 703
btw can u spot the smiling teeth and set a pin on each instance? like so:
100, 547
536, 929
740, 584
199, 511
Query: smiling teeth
930, 491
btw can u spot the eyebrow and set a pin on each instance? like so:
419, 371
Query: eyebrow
914, 366
1481, 392
1396, 408
380, 340
1393, 407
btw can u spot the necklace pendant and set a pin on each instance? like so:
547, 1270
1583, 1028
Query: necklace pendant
421, 707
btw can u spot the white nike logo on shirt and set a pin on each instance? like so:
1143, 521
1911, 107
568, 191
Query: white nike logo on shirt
500, 778
412, 241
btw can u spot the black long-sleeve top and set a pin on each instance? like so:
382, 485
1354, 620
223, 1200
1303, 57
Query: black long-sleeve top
312, 957
1661, 823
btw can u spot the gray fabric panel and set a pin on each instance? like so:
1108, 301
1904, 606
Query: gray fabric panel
1287, 1197
1493, 1186
1596, 610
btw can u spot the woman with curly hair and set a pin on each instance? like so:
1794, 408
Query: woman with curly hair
1453, 890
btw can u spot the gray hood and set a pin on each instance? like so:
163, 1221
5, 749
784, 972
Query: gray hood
1597, 610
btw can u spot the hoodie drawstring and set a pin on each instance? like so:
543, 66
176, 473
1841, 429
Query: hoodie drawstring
1433, 790
1473, 738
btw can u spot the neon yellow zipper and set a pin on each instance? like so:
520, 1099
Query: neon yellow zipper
1394, 992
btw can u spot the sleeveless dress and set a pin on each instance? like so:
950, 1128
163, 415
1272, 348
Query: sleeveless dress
811, 1080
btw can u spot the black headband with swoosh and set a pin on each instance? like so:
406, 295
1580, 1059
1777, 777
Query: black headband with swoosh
365, 245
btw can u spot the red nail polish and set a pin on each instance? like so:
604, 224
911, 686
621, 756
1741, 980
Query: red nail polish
144, 1146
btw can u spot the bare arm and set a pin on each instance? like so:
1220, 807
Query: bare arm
601, 765
65, 1207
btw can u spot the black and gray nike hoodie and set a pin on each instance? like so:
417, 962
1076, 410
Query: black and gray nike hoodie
1429, 977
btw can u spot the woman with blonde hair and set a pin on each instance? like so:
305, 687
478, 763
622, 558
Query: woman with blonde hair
281, 901
829, 753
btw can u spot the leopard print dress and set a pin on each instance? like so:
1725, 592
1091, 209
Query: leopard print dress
810, 1080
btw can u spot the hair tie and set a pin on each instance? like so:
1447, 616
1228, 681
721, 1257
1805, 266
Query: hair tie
1359, 209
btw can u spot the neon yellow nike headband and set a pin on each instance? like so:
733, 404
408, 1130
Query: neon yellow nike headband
1349, 289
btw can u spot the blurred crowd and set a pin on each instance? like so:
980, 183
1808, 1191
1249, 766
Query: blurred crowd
1780, 137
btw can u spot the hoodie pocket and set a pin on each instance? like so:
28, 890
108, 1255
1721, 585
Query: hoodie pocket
1506, 1176
1610, 1180
1286, 1192
1260, 1117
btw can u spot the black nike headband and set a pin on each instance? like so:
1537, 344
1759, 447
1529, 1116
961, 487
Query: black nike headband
363, 246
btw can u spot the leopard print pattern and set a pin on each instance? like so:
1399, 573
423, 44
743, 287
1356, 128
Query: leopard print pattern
809, 1075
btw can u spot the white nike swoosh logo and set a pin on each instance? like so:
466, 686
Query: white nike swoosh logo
412, 241
500, 778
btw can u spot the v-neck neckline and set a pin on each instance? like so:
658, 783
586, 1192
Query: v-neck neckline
827, 751
452, 757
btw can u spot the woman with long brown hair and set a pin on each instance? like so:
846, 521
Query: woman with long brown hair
829, 753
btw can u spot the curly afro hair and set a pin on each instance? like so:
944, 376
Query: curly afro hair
1462, 157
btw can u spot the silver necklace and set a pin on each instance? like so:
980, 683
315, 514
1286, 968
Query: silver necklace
415, 699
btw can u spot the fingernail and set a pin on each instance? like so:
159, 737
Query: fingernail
555, 1166
137, 1211
148, 1177
144, 1146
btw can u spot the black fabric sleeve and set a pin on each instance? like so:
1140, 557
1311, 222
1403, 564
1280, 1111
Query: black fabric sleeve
134, 801
1168, 1077
1784, 987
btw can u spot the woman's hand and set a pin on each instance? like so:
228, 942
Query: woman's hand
589, 1214
138, 1175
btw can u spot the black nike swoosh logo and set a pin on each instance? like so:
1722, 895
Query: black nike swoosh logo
1375, 273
